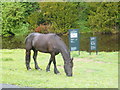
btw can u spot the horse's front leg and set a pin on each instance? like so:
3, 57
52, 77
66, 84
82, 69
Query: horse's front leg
54, 62
28, 53
55, 67
34, 57
48, 66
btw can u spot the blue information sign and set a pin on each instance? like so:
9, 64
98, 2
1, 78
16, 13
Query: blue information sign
74, 39
93, 43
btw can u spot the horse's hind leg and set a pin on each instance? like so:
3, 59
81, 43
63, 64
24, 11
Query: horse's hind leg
34, 57
28, 53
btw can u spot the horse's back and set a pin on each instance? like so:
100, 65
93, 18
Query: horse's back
42, 42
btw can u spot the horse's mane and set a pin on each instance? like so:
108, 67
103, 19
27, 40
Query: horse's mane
64, 48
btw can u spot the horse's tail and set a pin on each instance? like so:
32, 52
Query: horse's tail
29, 37
26, 39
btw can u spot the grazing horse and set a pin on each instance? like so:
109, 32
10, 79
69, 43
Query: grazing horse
48, 43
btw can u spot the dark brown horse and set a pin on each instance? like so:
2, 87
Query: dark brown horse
48, 43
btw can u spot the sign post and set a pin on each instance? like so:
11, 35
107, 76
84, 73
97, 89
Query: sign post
74, 40
93, 45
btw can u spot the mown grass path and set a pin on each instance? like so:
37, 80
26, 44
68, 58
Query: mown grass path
90, 71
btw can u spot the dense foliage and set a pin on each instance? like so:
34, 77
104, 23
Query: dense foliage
61, 15
14, 17
103, 17
23, 17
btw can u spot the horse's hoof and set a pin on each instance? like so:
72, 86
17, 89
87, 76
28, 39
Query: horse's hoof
47, 70
58, 73
39, 69
29, 69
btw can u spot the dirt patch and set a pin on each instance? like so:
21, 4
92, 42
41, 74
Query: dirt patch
90, 70
83, 60
60, 66
86, 60
99, 62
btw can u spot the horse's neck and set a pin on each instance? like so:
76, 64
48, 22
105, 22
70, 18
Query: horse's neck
63, 49
65, 54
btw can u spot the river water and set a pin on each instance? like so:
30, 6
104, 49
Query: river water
105, 42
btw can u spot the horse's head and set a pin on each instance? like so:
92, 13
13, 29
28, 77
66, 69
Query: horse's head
68, 67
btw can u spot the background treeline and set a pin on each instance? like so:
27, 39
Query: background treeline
20, 18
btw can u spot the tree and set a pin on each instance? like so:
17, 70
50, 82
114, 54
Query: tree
103, 17
83, 17
61, 15
14, 15
35, 19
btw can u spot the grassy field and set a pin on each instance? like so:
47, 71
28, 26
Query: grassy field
90, 71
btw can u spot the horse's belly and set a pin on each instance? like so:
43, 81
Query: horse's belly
40, 46
44, 50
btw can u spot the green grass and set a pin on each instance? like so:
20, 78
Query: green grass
90, 71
